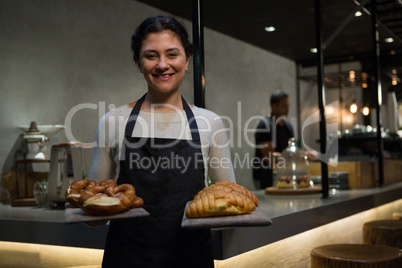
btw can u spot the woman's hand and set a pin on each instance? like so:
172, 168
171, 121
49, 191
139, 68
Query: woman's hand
276, 155
311, 156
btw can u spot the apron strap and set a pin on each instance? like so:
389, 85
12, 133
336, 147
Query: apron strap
133, 117
190, 117
192, 122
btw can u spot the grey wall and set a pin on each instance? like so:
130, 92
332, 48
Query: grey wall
55, 55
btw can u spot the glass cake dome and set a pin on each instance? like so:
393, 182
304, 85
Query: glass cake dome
292, 168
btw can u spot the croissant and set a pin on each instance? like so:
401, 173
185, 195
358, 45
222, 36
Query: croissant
222, 198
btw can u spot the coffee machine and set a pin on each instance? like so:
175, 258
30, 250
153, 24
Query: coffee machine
36, 136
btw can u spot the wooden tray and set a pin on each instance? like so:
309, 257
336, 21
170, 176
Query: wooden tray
77, 215
291, 191
255, 218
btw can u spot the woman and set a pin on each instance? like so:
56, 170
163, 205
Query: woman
166, 149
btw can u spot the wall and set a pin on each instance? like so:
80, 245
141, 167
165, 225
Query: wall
56, 55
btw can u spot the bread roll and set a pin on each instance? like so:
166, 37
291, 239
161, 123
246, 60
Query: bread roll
222, 198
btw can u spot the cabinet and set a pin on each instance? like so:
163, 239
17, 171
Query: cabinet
25, 177
363, 174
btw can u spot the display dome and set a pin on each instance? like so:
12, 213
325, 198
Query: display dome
292, 168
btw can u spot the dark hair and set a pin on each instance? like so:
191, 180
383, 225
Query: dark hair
156, 25
277, 96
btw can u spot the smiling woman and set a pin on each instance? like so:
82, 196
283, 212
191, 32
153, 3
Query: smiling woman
166, 156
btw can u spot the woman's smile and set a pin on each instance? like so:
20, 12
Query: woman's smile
163, 77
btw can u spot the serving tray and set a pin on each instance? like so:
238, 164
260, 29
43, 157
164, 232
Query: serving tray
291, 191
77, 215
254, 218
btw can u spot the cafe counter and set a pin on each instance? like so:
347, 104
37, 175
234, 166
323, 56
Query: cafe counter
292, 216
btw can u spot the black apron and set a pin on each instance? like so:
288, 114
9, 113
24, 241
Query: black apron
166, 186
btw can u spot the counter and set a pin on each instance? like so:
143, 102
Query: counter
291, 215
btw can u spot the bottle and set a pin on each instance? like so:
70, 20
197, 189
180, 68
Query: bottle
292, 168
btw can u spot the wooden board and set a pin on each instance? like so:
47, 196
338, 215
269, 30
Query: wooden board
255, 218
291, 191
77, 215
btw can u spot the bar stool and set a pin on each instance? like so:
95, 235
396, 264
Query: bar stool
355, 255
383, 232
397, 216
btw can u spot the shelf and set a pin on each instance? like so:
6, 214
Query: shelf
28, 161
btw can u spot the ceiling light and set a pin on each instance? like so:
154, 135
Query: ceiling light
366, 111
313, 50
358, 14
389, 40
353, 108
270, 29
352, 75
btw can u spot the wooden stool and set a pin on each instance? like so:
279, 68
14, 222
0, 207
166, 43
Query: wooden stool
383, 232
355, 255
397, 216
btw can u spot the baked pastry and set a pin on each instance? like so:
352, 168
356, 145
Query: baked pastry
239, 188
303, 181
290, 182
103, 198
75, 189
108, 183
222, 198
104, 201
285, 182
138, 202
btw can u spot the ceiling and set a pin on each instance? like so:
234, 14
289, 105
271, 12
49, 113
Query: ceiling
295, 27
344, 36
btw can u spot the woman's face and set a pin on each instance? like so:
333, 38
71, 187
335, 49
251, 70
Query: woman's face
163, 61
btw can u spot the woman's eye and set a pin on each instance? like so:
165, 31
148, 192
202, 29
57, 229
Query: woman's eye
149, 56
172, 55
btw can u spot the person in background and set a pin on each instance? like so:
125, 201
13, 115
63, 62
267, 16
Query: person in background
163, 148
271, 138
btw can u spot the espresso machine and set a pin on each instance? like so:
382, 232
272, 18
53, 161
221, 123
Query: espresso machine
35, 142
36, 136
